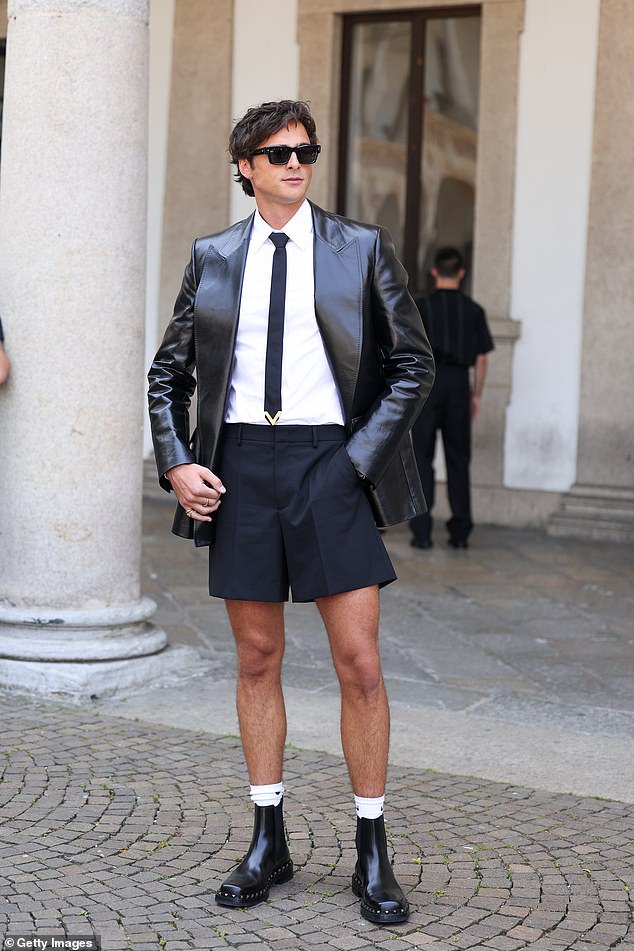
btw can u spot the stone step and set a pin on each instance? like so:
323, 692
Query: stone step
600, 513
590, 506
561, 526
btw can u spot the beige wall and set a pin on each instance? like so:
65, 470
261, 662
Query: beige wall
257, 76
606, 443
197, 186
601, 503
557, 79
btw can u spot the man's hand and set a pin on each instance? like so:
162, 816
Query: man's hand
479, 376
197, 489
5, 366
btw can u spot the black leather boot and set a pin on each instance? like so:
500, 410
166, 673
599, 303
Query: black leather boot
266, 863
382, 900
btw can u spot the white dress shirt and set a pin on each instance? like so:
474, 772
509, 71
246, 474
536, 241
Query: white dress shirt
309, 392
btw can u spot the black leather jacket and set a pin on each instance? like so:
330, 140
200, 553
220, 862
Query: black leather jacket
374, 338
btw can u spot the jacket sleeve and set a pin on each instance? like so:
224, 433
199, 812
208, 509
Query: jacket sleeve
407, 364
172, 382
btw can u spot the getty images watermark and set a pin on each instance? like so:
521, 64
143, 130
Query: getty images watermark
49, 942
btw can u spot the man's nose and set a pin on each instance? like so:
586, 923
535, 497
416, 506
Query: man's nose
293, 161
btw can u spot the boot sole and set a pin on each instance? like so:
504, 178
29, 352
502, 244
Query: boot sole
372, 914
280, 875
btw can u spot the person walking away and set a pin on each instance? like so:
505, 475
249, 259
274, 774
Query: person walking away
460, 339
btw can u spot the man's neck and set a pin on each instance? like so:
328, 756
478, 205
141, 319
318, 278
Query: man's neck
279, 215
447, 284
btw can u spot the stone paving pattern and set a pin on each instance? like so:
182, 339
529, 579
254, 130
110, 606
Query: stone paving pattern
520, 626
512, 660
125, 830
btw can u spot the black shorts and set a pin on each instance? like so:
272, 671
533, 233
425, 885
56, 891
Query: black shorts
294, 513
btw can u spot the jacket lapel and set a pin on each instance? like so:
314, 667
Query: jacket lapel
338, 300
217, 308
217, 302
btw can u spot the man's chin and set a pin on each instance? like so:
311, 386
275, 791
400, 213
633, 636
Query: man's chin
295, 199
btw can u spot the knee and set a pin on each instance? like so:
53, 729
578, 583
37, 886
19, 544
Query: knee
258, 659
361, 674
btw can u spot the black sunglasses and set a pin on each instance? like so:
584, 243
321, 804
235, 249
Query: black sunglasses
280, 154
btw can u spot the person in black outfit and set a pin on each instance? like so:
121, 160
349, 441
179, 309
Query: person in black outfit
460, 339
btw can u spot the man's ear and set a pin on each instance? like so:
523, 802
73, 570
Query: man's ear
245, 168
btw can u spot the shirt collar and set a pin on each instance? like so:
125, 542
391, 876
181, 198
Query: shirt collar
299, 229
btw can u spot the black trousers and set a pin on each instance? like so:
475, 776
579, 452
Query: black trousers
448, 409
295, 515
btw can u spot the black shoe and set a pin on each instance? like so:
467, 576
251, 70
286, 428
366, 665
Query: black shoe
458, 543
382, 900
421, 543
266, 863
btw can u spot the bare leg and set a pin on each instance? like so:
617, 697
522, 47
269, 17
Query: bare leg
352, 623
258, 628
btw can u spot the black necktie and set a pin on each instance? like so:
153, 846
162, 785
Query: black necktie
275, 337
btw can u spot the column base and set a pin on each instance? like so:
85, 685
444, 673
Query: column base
100, 634
87, 652
596, 512
93, 679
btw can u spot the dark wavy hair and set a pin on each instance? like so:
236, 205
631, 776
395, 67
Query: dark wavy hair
260, 122
449, 262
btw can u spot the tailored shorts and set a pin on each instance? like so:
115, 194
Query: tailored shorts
294, 514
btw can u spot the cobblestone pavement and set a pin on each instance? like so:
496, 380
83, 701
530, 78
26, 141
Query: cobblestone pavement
124, 830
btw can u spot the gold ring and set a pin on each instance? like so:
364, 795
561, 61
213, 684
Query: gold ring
189, 513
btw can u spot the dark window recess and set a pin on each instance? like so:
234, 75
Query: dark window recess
409, 129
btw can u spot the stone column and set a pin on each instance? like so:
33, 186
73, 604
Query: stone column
72, 266
600, 505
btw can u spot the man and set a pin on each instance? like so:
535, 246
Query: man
5, 366
459, 336
311, 364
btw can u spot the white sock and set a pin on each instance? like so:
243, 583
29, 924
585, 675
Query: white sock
270, 795
369, 808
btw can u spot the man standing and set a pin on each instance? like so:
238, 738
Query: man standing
311, 364
458, 333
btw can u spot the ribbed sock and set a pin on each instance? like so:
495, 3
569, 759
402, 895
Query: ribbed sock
369, 808
270, 795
